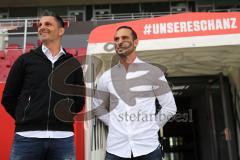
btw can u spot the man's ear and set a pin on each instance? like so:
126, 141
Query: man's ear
61, 31
135, 43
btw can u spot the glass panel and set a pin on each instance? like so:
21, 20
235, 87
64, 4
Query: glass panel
155, 7
23, 12
125, 8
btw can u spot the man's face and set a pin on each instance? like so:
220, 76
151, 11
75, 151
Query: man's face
124, 43
49, 30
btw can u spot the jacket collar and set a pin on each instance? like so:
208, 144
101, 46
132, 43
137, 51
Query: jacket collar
39, 52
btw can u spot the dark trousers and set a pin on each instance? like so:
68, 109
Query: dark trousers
25, 148
155, 155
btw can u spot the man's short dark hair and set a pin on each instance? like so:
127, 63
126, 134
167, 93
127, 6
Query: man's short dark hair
134, 34
57, 18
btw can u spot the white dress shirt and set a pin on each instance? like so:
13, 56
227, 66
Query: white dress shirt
125, 101
48, 134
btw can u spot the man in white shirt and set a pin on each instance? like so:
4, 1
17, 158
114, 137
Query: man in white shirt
125, 101
43, 116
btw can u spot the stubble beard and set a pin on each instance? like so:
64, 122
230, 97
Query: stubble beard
123, 53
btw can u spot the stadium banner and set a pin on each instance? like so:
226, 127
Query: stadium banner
172, 26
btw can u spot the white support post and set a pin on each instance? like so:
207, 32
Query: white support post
25, 36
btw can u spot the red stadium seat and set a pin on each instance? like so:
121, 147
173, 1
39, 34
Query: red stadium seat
4, 69
71, 51
13, 46
4, 74
81, 51
13, 54
5, 63
81, 55
29, 46
2, 55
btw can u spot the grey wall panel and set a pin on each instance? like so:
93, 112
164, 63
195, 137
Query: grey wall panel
19, 40
75, 41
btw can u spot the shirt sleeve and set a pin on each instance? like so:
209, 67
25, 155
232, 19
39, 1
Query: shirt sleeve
100, 101
166, 100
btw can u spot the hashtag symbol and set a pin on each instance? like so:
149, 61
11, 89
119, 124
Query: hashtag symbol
147, 29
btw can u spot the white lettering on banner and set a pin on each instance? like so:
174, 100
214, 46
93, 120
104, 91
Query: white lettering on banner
190, 26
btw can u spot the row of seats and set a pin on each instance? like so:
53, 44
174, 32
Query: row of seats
76, 52
15, 52
73, 51
17, 46
8, 58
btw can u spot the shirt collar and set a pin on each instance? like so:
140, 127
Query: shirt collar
47, 51
136, 61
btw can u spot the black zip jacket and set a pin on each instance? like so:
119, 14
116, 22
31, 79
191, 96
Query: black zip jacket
37, 98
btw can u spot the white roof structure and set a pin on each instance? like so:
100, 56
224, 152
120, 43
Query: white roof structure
187, 44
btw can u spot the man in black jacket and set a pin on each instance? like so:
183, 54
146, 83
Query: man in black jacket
42, 101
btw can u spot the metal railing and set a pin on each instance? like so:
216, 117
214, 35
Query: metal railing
31, 21
25, 23
17, 22
225, 10
127, 16
14, 23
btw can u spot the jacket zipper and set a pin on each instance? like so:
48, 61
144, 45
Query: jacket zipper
50, 97
27, 106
